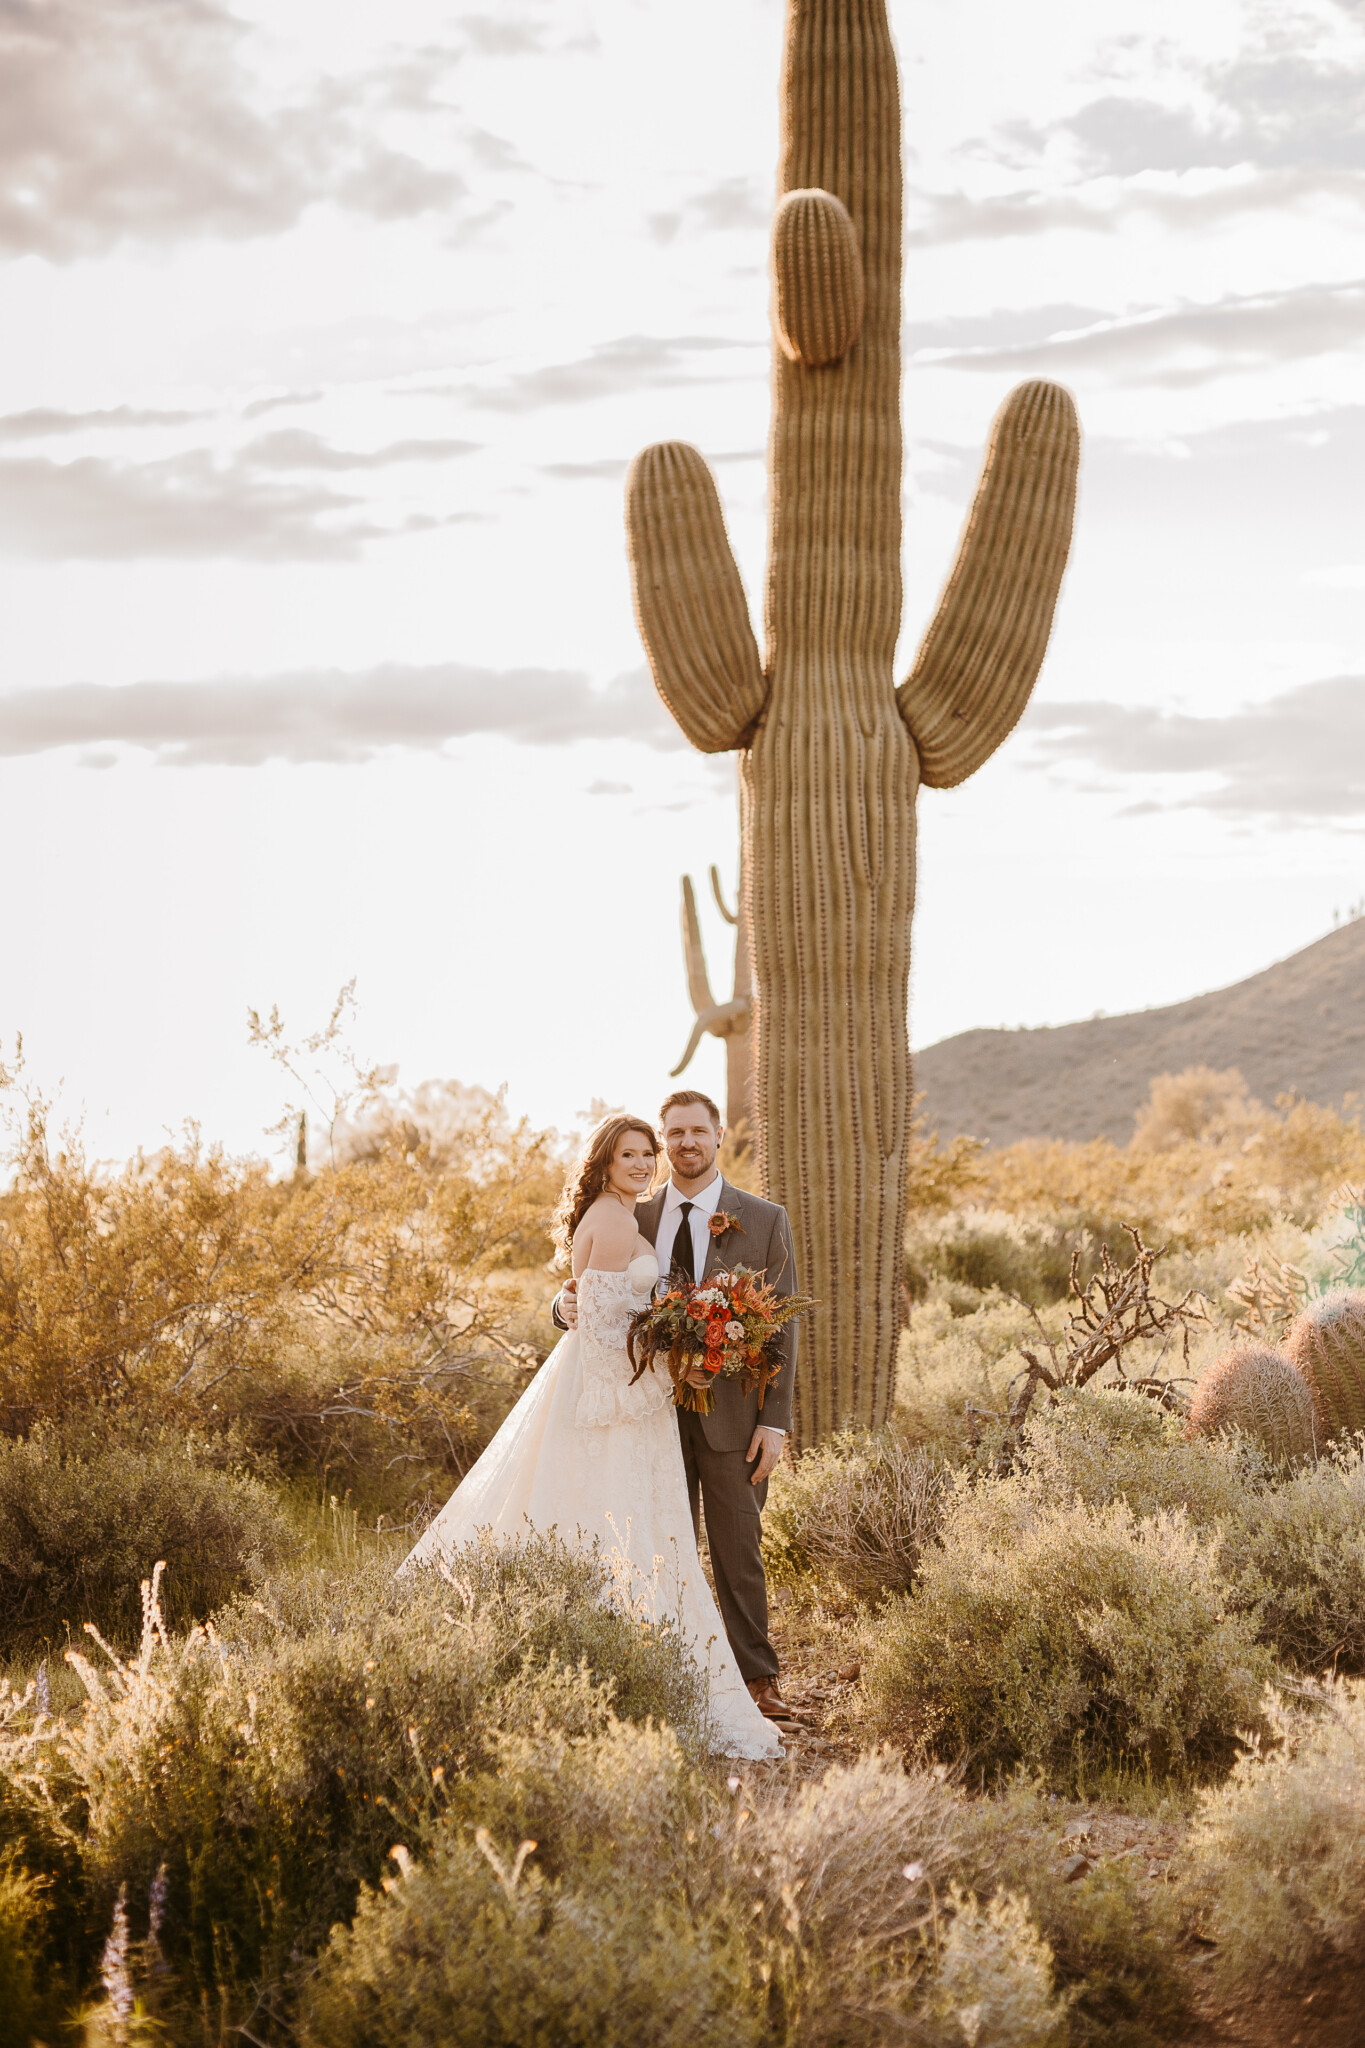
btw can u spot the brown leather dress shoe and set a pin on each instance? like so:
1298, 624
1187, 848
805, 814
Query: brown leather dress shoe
769, 1700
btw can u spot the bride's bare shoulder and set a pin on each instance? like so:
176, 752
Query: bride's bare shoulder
605, 1238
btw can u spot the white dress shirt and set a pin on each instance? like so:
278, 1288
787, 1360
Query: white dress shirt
704, 1206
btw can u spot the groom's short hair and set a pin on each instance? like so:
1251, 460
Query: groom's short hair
683, 1098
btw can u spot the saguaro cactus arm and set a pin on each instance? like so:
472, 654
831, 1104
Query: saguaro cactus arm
689, 601
721, 1019
980, 658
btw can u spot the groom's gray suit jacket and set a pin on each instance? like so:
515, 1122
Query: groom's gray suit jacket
763, 1242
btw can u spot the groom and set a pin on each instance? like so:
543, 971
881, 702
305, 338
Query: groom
697, 1222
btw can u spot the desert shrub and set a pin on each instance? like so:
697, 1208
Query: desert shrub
269, 1762
27, 1994
1059, 1636
1098, 1444
1276, 1871
984, 1249
796, 1914
1298, 1555
611, 1934
947, 1360
88, 1506
175, 1282
474, 1949
852, 1516
1208, 1165
994, 1979
1114, 1941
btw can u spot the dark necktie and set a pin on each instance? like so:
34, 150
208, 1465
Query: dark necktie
684, 1259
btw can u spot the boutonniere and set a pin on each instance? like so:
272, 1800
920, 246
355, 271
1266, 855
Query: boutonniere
723, 1221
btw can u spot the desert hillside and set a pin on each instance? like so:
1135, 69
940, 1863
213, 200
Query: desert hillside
1299, 1025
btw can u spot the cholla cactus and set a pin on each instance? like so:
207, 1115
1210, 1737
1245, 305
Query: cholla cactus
1327, 1344
1255, 1388
728, 1021
831, 752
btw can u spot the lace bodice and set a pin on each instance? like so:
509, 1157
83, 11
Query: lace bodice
606, 1303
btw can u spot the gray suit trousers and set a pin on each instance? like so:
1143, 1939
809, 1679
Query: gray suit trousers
734, 1535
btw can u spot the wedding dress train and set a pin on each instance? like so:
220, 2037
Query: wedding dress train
586, 1453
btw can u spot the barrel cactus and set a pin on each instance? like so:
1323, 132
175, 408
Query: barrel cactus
1327, 1344
1256, 1389
831, 752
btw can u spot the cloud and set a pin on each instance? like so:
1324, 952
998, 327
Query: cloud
631, 361
1296, 758
293, 448
1190, 344
46, 422
330, 715
716, 209
183, 506
525, 32
144, 119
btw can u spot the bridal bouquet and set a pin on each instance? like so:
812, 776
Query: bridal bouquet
725, 1327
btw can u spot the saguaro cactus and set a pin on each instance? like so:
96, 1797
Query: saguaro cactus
831, 752
729, 1021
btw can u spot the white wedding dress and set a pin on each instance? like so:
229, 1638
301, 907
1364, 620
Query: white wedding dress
597, 1459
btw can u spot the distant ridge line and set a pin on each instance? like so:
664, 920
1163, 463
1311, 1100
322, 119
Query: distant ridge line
1297, 1026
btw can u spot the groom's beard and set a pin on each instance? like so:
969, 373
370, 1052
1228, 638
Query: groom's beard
690, 1164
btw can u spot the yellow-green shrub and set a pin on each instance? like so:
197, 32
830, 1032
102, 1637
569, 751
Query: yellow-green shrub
88, 1506
1097, 1444
269, 1764
1297, 1552
1276, 1870
1062, 1636
851, 1517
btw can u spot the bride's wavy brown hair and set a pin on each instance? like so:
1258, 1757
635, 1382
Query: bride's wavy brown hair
588, 1179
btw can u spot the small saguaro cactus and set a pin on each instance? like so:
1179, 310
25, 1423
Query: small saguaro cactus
1254, 1388
729, 1021
1327, 1344
831, 752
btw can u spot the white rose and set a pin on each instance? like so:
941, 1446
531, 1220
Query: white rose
734, 1331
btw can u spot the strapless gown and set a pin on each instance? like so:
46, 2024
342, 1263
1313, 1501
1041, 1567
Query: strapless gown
600, 1461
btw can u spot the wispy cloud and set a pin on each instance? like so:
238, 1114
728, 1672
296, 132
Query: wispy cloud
630, 362
1191, 344
48, 423
148, 119
714, 209
187, 506
330, 715
1295, 758
293, 448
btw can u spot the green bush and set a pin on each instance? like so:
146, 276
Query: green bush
981, 1249
1276, 1869
1115, 1942
554, 1909
1098, 1444
852, 1516
599, 1888
270, 1763
26, 1996
1299, 1556
87, 1508
1065, 1637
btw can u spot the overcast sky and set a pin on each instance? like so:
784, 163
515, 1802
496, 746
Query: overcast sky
329, 333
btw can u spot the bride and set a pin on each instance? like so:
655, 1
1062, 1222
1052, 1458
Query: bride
588, 1453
